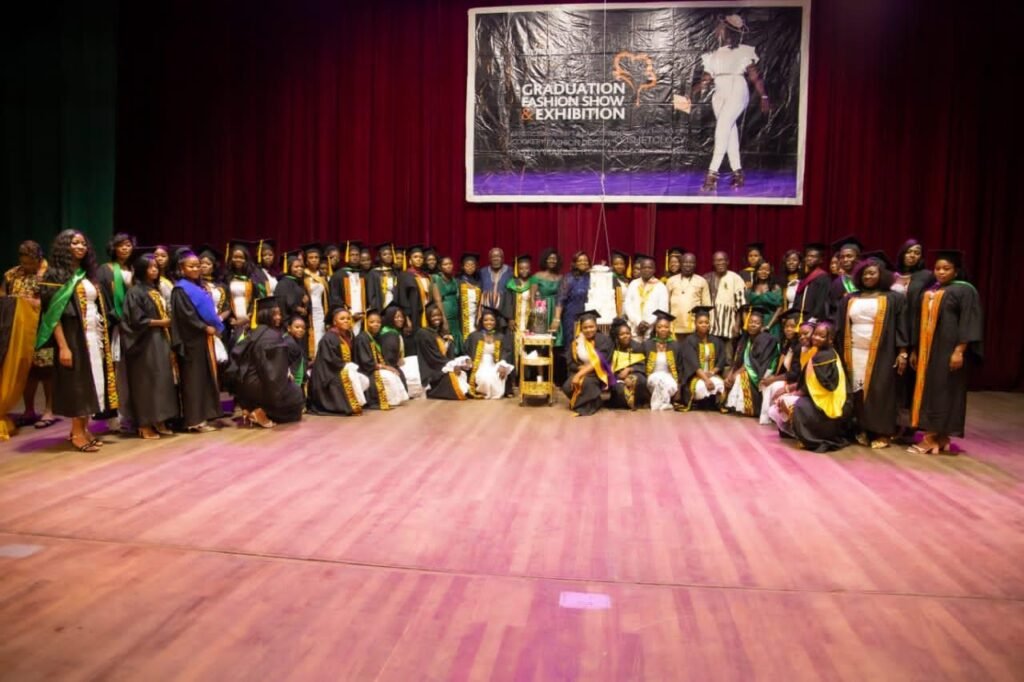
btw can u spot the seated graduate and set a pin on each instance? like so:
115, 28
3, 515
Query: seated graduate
392, 339
756, 355
588, 359
491, 351
662, 362
386, 389
146, 352
336, 386
442, 373
703, 359
629, 364
195, 324
821, 417
784, 400
774, 384
259, 376
298, 354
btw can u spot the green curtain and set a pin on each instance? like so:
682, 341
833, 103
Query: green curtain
59, 82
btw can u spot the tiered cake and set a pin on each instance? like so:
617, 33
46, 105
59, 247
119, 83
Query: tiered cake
601, 296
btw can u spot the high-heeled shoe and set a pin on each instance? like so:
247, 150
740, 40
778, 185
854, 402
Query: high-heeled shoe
152, 435
738, 180
257, 418
710, 182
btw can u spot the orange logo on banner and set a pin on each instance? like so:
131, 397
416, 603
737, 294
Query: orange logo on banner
527, 114
621, 70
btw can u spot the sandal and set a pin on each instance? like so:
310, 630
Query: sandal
919, 449
46, 421
152, 435
163, 430
202, 428
879, 443
88, 446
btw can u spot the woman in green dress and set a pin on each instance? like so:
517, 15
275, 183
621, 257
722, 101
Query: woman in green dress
765, 293
545, 285
445, 292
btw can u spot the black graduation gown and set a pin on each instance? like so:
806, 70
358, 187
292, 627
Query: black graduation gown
432, 360
298, 359
877, 409
336, 290
409, 297
330, 389
260, 366
148, 362
200, 393
836, 293
375, 294
813, 428
74, 393
289, 292
812, 299
940, 396
588, 400
689, 354
509, 298
764, 355
474, 349
367, 360
392, 347
626, 396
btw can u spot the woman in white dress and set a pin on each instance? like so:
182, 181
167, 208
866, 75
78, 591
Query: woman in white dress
662, 363
491, 351
316, 288
728, 68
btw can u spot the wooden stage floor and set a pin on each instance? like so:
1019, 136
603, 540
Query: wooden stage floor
486, 541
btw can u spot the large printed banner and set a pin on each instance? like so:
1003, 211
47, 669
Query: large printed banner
663, 102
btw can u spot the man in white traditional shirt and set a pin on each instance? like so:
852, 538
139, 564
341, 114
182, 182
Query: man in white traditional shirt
645, 295
728, 295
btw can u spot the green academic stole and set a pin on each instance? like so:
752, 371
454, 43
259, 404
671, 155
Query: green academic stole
51, 318
118, 289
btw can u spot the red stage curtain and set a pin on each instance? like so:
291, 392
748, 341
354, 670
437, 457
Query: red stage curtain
307, 120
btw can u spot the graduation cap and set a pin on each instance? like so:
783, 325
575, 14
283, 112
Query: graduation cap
954, 256
878, 257
312, 246
588, 314
637, 257
335, 309
749, 309
415, 248
207, 251
699, 310
289, 256
662, 315
371, 311
488, 310
821, 247
469, 255
755, 246
791, 314
849, 240
267, 302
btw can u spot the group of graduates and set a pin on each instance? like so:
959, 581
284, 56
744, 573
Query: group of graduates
870, 351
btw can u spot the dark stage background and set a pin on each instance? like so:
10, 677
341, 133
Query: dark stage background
310, 120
